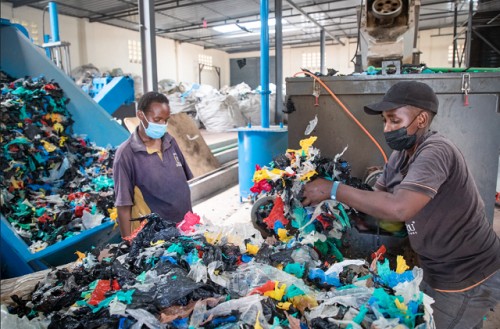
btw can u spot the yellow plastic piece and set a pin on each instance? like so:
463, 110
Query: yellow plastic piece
284, 305
391, 226
157, 243
80, 255
257, 323
307, 176
58, 127
113, 213
16, 184
304, 144
62, 141
48, 146
303, 302
277, 293
401, 306
401, 265
283, 235
252, 249
54, 117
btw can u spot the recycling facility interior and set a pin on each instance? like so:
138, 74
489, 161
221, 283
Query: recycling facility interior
246, 81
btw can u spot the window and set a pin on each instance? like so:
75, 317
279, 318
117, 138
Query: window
458, 56
32, 30
311, 61
134, 52
205, 59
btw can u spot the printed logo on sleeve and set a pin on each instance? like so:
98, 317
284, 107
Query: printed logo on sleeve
411, 228
177, 162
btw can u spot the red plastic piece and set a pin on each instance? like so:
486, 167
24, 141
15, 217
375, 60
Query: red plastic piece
188, 222
99, 293
277, 214
379, 254
268, 286
260, 186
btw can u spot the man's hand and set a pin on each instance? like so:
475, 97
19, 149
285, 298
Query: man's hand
316, 191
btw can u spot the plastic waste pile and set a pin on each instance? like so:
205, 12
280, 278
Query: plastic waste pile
200, 275
284, 179
53, 184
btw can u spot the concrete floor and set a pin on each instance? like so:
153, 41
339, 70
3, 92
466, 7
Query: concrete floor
226, 209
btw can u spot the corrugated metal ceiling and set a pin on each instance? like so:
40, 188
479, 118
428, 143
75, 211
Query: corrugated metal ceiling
183, 20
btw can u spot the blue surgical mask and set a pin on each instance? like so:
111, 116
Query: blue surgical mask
155, 130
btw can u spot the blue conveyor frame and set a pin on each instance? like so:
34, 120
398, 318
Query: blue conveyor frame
19, 57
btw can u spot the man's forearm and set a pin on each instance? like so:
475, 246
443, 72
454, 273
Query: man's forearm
124, 216
399, 206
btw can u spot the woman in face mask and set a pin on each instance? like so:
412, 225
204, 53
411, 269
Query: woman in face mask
149, 169
426, 185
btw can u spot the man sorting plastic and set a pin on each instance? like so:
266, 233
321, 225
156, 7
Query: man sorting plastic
149, 169
426, 184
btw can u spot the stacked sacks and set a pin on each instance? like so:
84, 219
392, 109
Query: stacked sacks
53, 184
208, 276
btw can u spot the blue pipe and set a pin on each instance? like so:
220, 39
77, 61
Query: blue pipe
54, 22
264, 62
46, 39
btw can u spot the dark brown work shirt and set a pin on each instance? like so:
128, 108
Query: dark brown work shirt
451, 234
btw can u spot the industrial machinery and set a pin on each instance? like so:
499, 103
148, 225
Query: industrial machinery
388, 32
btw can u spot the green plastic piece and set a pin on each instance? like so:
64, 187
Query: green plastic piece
141, 277
293, 291
125, 297
295, 269
177, 248
344, 215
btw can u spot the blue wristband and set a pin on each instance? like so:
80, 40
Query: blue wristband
333, 193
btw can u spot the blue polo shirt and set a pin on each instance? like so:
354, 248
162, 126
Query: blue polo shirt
161, 180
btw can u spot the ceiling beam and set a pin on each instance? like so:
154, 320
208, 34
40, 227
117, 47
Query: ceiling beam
294, 6
158, 7
21, 3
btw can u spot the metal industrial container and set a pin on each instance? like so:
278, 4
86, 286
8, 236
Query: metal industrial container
468, 115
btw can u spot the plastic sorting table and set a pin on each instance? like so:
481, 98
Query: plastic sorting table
257, 146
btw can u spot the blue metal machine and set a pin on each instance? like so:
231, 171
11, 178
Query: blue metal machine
111, 92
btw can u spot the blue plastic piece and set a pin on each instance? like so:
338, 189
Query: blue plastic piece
331, 279
257, 146
246, 258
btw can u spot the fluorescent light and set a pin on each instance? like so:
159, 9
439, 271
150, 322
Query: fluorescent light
249, 25
257, 33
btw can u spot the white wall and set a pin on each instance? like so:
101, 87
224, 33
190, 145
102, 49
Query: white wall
106, 47
432, 43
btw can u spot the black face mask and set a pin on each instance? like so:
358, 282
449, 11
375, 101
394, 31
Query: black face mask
399, 139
